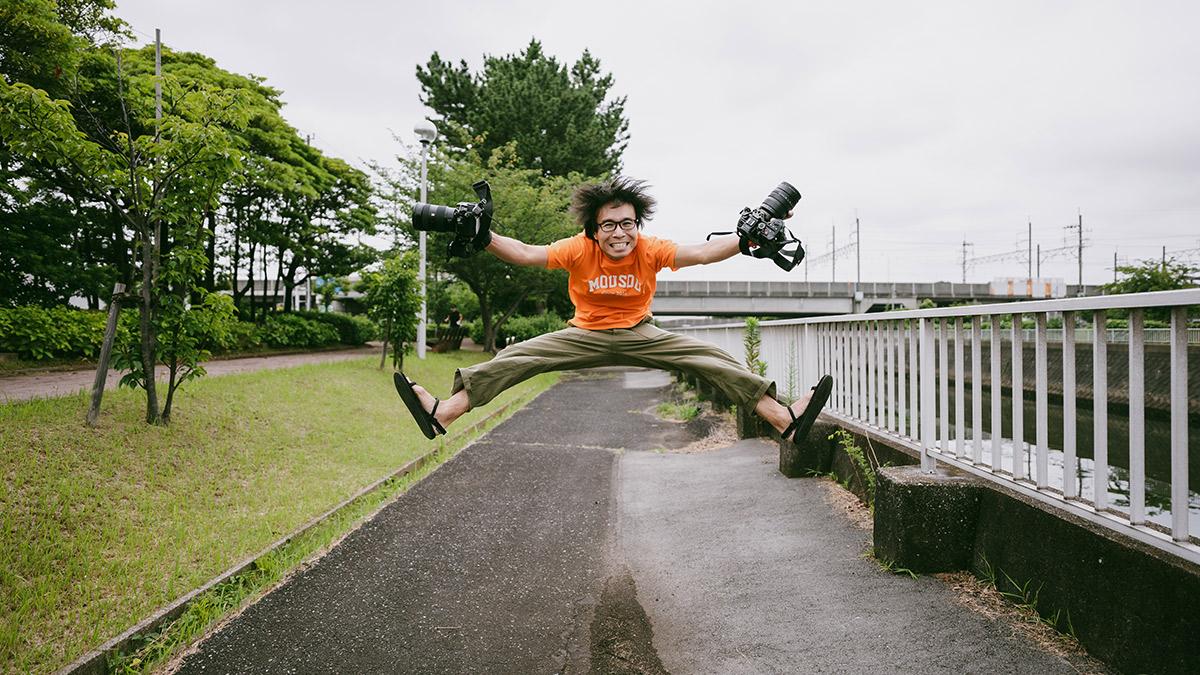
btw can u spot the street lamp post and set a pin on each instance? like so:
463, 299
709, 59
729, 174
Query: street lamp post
427, 134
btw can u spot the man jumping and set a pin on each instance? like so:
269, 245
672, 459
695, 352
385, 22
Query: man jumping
612, 272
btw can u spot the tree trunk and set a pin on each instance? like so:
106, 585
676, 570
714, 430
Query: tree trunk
172, 385
387, 336
210, 270
149, 340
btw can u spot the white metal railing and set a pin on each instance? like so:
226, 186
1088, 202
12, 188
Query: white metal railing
893, 373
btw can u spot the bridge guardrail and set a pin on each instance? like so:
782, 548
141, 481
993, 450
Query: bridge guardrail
820, 289
875, 388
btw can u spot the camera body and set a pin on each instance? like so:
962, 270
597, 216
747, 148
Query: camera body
763, 233
469, 222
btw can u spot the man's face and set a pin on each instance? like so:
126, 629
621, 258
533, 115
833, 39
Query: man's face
620, 241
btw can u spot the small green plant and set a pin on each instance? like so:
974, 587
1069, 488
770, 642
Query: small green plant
753, 343
891, 566
865, 466
1025, 598
678, 411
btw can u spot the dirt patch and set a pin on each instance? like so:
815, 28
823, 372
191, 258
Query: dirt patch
622, 640
848, 504
1024, 622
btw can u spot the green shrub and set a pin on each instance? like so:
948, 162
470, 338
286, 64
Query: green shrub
520, 328
289, 330
36, 333
352, 330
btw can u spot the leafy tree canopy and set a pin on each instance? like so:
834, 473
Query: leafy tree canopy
560, 118
1153, 275
529, 206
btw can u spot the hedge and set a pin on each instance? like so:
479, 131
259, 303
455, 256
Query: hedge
520, 328
36, 334
352, 330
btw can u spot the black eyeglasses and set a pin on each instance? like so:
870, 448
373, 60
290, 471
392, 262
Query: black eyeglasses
611, 225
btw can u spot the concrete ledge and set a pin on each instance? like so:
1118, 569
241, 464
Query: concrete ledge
750, 425
926, 522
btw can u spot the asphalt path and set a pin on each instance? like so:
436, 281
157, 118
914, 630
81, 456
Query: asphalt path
571, 539
70, 382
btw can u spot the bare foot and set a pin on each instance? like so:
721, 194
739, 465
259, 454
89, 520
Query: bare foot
448, 410
798, 406
427, 402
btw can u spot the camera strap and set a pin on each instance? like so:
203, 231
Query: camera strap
783, 255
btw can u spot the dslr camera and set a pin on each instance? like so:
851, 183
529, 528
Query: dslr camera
762, 233
469, 222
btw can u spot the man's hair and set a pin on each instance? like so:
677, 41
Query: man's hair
589, 199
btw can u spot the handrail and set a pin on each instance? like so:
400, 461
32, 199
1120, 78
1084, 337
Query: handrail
893, 373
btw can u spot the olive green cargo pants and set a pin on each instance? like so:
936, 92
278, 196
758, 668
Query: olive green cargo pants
643, 345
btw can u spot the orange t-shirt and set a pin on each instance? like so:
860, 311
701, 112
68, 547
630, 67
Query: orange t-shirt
608, 293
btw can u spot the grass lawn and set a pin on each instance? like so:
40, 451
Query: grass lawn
100, 527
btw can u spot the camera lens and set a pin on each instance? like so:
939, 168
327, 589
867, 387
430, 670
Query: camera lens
781, 200
433, 217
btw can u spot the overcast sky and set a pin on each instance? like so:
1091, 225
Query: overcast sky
934, 122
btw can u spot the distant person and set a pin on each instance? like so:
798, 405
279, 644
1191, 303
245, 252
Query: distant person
453, 318
612, 272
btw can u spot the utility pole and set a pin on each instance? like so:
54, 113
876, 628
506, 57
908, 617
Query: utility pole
833, 249
1079, 254
1029, 256
965, 244
1114, 265
858, 255
1039, 264
1164, 260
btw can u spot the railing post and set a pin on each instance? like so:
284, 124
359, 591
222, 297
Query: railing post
860, 356
889, 347
928, 430
1179, 427
1018, 398
1043, 404
960, 409
1100, 410
944, 385
914, 378
994, 352
869, 340
977, 389
901, 376
1137, 419
1070, 459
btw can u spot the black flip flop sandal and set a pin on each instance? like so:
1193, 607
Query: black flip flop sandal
800, 426
425, 420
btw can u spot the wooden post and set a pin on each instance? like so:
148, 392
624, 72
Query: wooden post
110, 332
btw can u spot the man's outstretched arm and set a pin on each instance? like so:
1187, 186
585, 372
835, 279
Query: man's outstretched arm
519, 253
711, 251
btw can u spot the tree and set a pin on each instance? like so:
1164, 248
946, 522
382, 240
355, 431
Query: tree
1153, 275
152, 174
559, 117
392, 296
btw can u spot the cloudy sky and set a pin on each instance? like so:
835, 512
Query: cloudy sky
934, 123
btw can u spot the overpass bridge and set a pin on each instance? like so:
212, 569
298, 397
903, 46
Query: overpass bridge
818, 298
